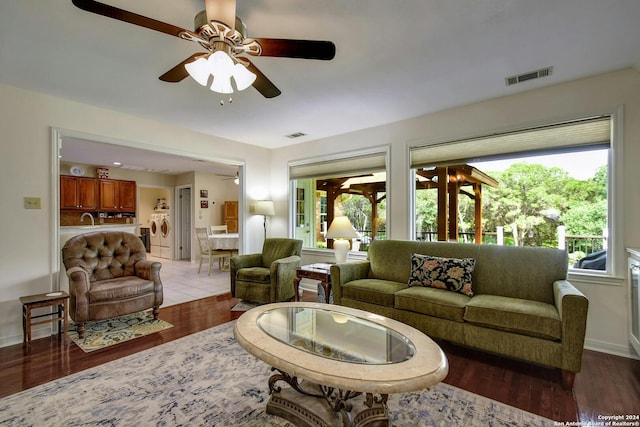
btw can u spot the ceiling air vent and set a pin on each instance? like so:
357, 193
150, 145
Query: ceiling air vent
544, 72
296, 135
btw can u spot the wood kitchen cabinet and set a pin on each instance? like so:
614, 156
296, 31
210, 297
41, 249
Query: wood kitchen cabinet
78, 193
117, 195
231, 216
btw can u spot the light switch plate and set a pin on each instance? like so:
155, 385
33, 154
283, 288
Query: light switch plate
32, 203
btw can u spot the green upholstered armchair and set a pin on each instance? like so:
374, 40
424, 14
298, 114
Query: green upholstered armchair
268, 276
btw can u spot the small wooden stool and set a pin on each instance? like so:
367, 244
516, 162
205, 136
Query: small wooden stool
51, 299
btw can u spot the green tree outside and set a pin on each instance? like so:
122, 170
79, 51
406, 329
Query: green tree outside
530, 202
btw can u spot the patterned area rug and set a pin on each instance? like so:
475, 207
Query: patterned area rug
207, 379
244, 306
103, 333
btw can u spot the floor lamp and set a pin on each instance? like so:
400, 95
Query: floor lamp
265, 208
341, 230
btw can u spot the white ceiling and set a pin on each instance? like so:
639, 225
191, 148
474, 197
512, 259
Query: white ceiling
394, 59
78, 150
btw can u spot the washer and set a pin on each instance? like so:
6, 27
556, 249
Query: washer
166, 237
154, 232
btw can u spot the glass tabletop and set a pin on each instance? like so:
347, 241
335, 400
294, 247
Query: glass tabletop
335, 335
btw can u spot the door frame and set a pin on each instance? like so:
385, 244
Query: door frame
56, 134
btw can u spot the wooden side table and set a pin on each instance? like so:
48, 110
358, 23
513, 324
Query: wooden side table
58, 300
313, 272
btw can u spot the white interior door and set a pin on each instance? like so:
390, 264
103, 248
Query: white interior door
185, 223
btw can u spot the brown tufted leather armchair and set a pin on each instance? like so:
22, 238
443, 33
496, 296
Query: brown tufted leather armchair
109, 276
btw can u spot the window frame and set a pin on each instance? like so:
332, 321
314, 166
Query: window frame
346, 157
616, 259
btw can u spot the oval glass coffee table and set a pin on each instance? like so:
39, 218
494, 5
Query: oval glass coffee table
329, 354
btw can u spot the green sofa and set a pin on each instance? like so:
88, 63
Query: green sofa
522, 304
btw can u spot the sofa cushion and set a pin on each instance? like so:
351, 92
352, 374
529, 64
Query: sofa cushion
119, 289
526, 317
453, 274
433, 302
375, 291
254, 274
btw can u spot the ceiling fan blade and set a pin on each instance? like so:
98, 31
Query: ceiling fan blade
306, 49
178, 73
262, 83
221, 10
126, 16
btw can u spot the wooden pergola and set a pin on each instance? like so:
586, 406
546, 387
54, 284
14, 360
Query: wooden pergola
370, 190
449, 181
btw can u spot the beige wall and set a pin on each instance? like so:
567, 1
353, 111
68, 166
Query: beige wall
25, 170
219, 189
607, 323
28, 255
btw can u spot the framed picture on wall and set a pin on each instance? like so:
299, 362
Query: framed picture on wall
204, 193
204, 204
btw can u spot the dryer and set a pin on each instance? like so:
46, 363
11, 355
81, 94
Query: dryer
154, 233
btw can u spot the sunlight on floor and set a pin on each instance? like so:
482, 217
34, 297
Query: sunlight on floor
181, 281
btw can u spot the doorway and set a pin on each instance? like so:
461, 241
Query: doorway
183, 223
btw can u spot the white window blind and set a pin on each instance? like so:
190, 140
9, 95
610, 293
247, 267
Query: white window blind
580, 133
347, 166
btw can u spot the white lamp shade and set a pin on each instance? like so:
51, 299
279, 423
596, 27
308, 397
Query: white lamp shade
221, 67
220, 64
199, 70
221, 85
265, 207
243, 77
341, 228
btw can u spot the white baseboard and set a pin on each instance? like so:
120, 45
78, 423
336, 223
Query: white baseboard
37, 332
609, 348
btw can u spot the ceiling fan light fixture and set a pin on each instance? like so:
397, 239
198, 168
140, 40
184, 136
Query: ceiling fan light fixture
199, 70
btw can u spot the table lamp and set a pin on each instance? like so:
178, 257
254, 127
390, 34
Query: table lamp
265, 208
341, 230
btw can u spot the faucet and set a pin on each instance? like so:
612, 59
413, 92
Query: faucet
93, 222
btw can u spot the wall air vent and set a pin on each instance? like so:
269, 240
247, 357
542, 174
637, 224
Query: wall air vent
296, 135
520, 78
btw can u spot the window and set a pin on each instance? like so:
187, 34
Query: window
351, 185
546, 186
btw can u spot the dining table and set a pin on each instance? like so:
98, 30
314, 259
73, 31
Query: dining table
224, 241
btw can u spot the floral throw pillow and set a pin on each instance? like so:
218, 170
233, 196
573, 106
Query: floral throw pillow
453, 274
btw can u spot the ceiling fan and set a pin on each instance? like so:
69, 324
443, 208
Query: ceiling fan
235, 178
224, 36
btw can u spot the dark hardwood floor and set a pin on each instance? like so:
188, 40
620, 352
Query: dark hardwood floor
607, 385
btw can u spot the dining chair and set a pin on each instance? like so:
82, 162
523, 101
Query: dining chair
206, 251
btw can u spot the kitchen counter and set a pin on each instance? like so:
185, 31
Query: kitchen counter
79, 229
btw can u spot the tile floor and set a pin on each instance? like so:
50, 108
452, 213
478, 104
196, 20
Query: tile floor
181, 281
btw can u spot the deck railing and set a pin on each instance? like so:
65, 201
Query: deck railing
578, 246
